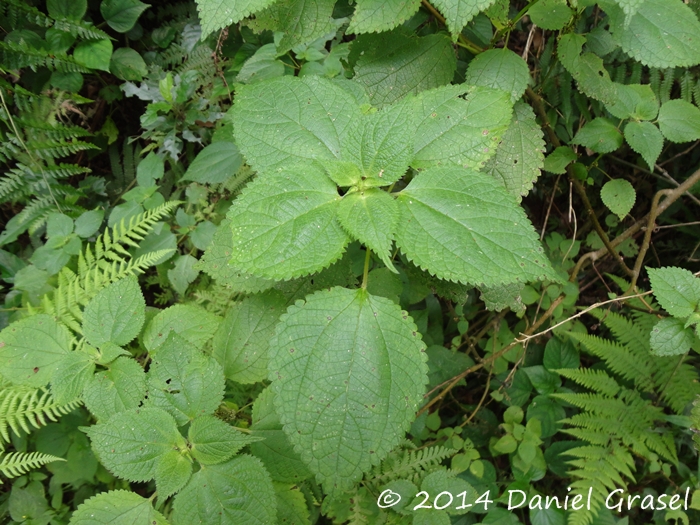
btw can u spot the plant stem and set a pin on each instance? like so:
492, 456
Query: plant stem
368, 257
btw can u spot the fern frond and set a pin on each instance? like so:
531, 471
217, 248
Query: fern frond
409, 464
54, 149
20, 55
592, 379
18, 463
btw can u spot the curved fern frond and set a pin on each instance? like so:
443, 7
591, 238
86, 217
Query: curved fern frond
18, 463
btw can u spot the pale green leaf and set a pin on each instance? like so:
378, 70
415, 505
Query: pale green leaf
116, 314
559, 159
58, 224
646, 139
217, 14
550, 14
31, 349
215, 164
150, 170
183, 381
127, 64
291, 505
519, 157
215, 263
629, 7
677, 290
71, 9
263, 65
301, 21
284, 224
348, 371
619, 196
373, 16
121, 387
371, 216
392, 65
88, 223
275, 450
635, 101
385, 283
213, 441
183, 273
463, 226
238, 491
600, 134
441, 481
241, 343
117, 507
458, 13
292, 120
670, 337
72, 374
587, 69
456, 131
382, 145
173, 471
192, 322
108, 352
130, 443
497, 298
94, 54
121, 15
499, 69
679, 121
662, 33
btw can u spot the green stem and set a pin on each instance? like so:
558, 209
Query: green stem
368, 256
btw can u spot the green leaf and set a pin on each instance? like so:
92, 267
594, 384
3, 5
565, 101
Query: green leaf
58, 224
94, 54
635, 101
392, 65
215, 263
600, 134
72, 374
116, 314
587, 69
70, 9
121, 15
213, 441
121, 387
88, 223
291, 505
679, 121
183, 274
619, 196
646, 139
202, 236
184, 381
463, 226
217, 14
373, 16
129, 444
215, 164
662, 33
173, 471
519, 157
371, 216
192, 322
544, 381
441, 481
109, 352
456, 131
150, 170
238, 491
275, 450
550, 14
559, 159
284, 224
117, 507
241, 343
292, 120
31, 349
348, 371
127, 64
301, 21
670, 337
560, 354
497, 298
263, 65
458, 13
677, 290
382, 145
499, 69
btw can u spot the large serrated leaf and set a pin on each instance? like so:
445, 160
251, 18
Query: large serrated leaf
173, 470
348, 371
292, 120
497, 298
72, 374
116, 314
117, 507
183, 381
284, 224
646, 139
670, 337
371, 217
130, 443
215, 263
520, 155
677, 290
679, 121
240, 344
499, 69
292, 506
662, 33
394, 64
372, 16
456, 131
192, 322
463, 226
120, 388
238, 491
31, 349
587, 69
217, 14
458, 13
213, 441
